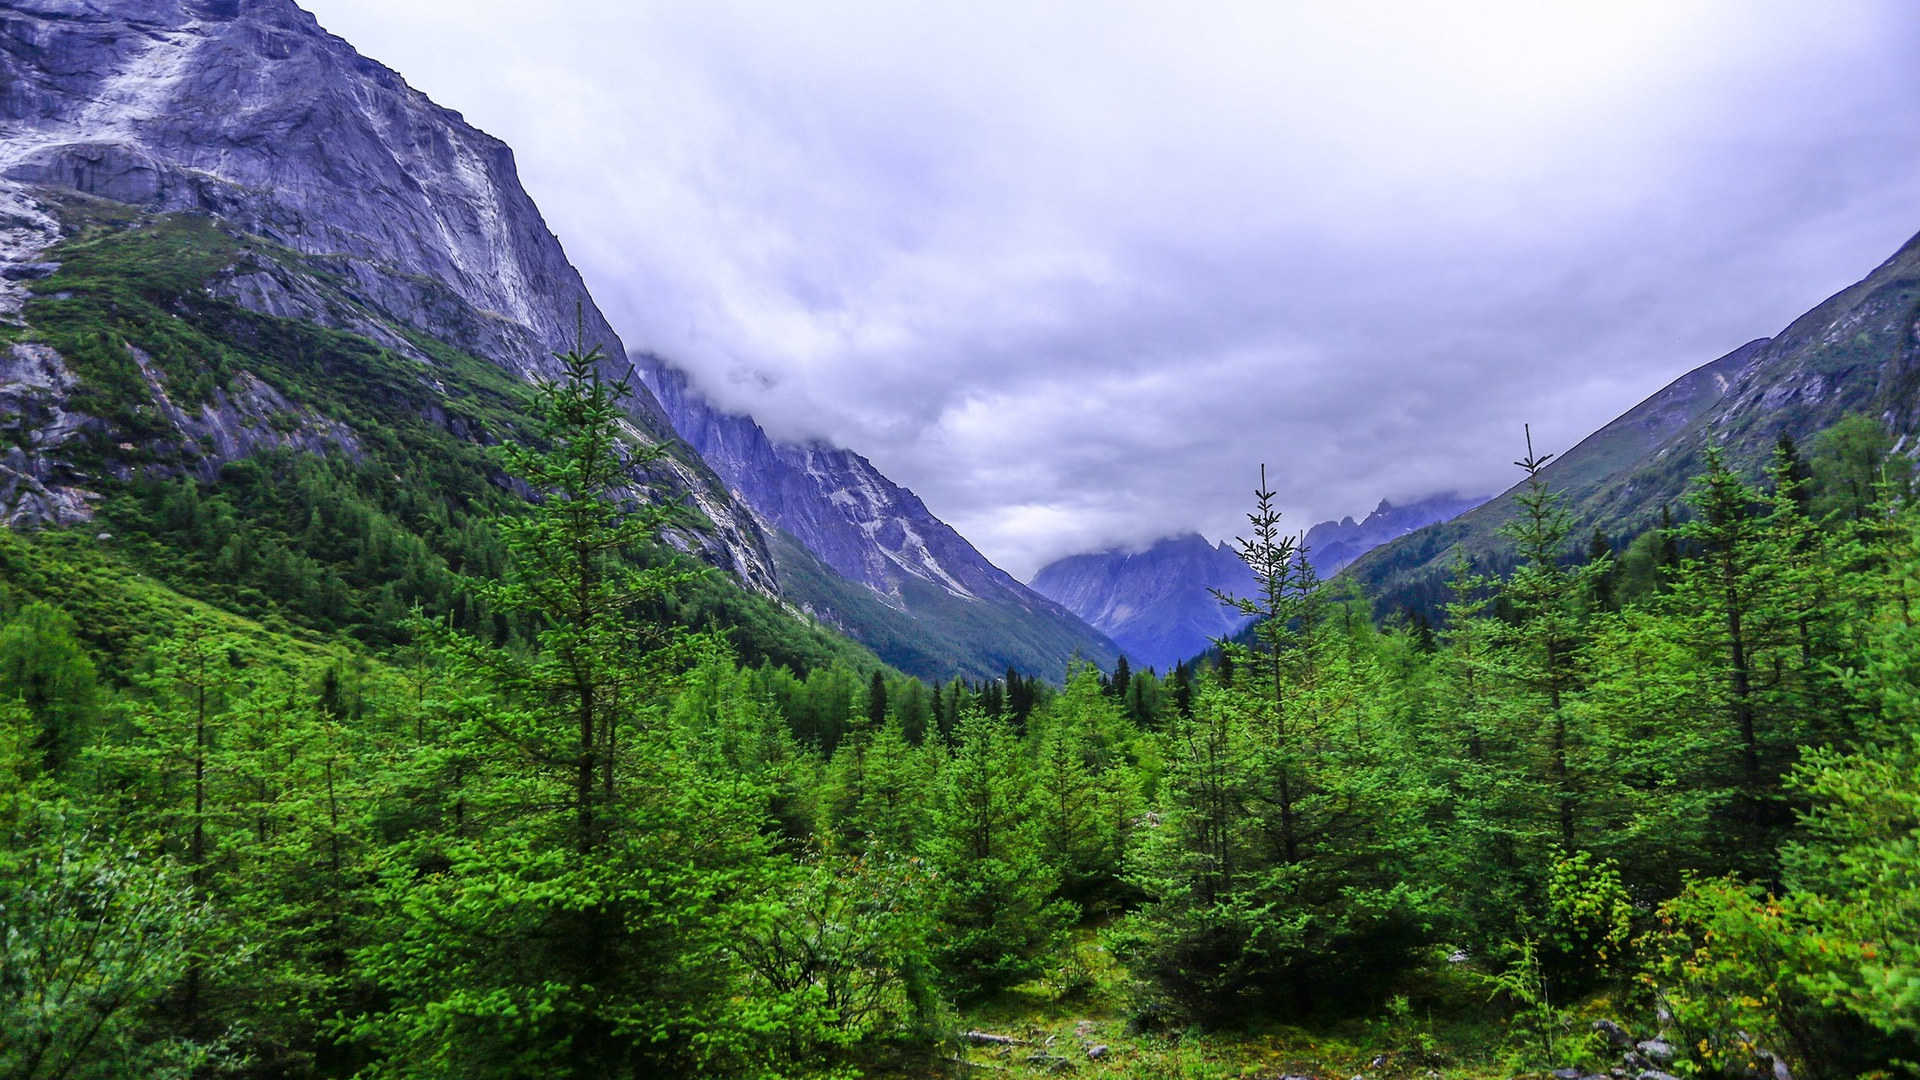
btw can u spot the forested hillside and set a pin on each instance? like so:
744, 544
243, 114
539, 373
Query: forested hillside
582, 837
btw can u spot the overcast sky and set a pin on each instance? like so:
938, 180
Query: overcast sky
1072, 271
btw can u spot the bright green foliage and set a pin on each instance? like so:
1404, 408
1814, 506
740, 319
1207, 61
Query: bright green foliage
841, 952
1086, 789
1589, 917
577, 924
1278, 847
1853, 466
1539, 654
1824, 971
471, 799
92, 935
996, 921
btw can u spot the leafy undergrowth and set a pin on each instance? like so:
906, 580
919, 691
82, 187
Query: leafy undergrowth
1438, 1023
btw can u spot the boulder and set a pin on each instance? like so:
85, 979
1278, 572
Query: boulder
1658, 1051
1616, 1036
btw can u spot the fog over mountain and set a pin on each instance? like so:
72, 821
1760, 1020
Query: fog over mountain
1072, 272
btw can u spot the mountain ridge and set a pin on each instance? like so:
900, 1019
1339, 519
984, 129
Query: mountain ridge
1857, 351
1158, 602
879, 535
256, 116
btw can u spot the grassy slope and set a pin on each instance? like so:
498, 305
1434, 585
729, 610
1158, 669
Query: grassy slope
127, 278
116, 605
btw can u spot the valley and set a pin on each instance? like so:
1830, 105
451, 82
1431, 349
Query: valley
401, 676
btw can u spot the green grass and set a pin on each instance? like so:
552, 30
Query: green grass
117, 606
1448, 1027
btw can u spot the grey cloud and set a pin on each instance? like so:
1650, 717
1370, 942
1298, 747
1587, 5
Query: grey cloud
1073, 271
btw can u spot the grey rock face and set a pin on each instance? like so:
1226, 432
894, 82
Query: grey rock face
248, 110
245, 417
1155, 604
862, 525
252, 112
1616, 1036
1657, 1051
25, 231
36, 486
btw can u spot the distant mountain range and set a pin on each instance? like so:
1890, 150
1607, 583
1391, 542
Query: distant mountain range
1157, 604
1332, 545
1857, 352
1154, 604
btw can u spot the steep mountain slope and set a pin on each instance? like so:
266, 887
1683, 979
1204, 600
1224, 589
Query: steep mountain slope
1155, 604
1158, 604
400, 223
1859, 351
866, 555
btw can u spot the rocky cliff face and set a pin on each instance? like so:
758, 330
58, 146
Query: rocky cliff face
410, 219
871, 531
1156, 603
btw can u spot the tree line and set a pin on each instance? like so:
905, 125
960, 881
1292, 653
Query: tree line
540, 823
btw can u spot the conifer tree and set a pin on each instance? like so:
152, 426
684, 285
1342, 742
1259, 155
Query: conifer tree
996, 921
1544, 594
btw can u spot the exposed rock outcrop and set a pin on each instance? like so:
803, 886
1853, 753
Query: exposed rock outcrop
250, 112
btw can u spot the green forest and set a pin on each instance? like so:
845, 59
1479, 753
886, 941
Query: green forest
319, 771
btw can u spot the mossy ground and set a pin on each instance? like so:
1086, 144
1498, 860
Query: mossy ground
1437, 1022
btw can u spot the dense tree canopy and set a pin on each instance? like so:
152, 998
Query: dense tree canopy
504, 802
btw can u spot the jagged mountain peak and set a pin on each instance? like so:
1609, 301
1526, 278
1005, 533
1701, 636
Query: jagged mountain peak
917, 581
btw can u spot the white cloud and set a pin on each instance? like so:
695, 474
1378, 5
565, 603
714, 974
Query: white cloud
1071, 271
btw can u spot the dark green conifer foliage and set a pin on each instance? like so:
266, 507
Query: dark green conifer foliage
1278, 847
44, 668
579, 930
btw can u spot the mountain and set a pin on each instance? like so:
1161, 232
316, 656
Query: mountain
1331, 545
1158, 604
264, 308
1155, 603
1857, 352
864, 554
350, 202
286, 178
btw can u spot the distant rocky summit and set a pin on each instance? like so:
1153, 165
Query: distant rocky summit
1331, 545
1158, 604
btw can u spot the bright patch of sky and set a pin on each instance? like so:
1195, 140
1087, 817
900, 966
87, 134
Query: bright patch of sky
1072, 271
